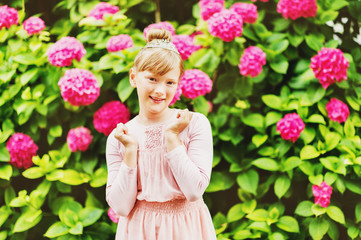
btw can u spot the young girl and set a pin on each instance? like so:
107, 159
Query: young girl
160, 162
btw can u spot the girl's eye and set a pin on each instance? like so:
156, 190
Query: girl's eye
171, 83
151, 79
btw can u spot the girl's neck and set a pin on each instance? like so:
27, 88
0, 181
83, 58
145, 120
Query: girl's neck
147, 118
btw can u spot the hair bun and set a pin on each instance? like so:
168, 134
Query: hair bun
155, 33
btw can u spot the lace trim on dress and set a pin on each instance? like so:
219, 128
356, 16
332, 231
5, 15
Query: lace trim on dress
153, 137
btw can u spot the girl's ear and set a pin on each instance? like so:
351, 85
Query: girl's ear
132, 78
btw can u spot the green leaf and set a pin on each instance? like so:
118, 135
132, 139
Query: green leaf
288, 224
272, 101
235, 213
260, 226
318, 228
336, 214
56, 230
316, 118
291, 163
220, 181
4, 214
266, 164
332, 140
67, 216
27, 220
280, 46
358, 212
318, 210
99, 178
220, 222
258, 215
4, 154
281, 186
28, 75
56, 131
124, 89
89, 216
33, 173
280, 66
26, 58
334, 164
304, 209
77, 229
201, 105
254, 120
353, 232
349, 128
309, 152
73, 177
259, 139
313, 42
6, 76
272, 118
329, 15
248, 181
6, 171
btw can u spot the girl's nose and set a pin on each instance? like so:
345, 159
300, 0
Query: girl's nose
160, 89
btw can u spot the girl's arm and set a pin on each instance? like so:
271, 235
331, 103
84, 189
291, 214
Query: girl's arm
121, 191
192, 168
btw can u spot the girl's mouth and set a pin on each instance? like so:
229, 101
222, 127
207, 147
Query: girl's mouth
156, 100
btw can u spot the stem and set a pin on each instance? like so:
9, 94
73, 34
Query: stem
157, 11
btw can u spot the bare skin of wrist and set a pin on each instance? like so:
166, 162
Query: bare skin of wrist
130, 156
172, 141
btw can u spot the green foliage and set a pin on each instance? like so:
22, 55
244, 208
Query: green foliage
268, 178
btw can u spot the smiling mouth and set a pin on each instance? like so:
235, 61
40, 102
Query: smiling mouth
157, 100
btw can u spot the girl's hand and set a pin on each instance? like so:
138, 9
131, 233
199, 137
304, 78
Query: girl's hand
182, 121
122, 135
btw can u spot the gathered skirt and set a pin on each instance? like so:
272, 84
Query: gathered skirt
173, 220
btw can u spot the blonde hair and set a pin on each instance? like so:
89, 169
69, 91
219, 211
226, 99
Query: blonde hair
158, 60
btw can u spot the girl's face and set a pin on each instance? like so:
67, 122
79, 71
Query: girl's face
155, 92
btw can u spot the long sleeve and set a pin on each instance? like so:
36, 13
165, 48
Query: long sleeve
192, 167
121, 191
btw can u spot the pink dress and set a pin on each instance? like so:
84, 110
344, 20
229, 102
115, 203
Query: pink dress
161, 199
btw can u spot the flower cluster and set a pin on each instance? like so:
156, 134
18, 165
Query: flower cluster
79, 139
252, 61
290, 127
119, 42
195, 83
329, 65
177, 95
34, 25
22, 149
113, 216
160, 25
79, 87
226, 25
101, 9
322, 194
294, 9
185, 45
210, 7
64, 51
248, 11
8, 16
337, 110
107, 117
260, 0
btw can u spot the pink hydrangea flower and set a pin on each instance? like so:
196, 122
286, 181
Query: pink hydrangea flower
226, 25
113, 216
329, 65
185, 45
64, 51
107, 117
248, 11
119, 42
290, 127
34, 25
22, 149
177, 95
337, 110
297, 8
210, 7
252, 61
79, 87
160, 25
8, 16
195, 83
79, 139
322, 194
260, 0
101, 9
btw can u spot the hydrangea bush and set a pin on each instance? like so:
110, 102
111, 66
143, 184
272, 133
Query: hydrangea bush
278, 81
